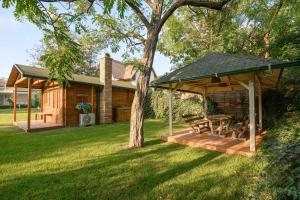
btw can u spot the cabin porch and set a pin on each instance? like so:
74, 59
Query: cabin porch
37, 125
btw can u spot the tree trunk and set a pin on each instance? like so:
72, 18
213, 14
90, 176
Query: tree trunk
137, 110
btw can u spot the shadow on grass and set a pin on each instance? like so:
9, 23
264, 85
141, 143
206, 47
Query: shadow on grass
17, 146
128, 174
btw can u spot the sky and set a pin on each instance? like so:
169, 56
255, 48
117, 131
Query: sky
17, 39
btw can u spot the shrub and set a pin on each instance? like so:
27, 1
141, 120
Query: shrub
290, 87
274, 107
278, 161
157, 105
148, 110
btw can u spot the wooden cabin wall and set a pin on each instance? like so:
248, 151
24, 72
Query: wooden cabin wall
78, 93
122, 97
233, 103
53, 103
121, 104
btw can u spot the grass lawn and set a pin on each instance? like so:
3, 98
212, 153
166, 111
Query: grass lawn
94, 163
6, 115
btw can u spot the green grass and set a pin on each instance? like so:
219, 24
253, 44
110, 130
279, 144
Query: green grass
94, 163
6, 115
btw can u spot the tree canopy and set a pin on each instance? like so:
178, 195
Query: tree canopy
241, 28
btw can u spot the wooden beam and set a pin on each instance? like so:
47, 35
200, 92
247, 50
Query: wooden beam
241, 83
29, 104
170, 111
225, 88
65, 105
258, 80
194, 89
252, 113
178, 86
21, 80
42, 100
92, 99
38, 82
15, 103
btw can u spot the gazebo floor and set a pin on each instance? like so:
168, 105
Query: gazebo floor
37, 125
210, 142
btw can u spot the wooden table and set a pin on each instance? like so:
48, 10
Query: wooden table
223, 121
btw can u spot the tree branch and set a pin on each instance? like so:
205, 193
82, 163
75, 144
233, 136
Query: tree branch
150, 4
196, 3
139, 13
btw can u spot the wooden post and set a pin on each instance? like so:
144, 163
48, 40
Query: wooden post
29, 105
41, 100
205, 106
15, 103
92, 99
170, 112
65, 105
252, 113
260, 108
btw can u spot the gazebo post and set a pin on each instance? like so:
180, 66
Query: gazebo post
260, 107
205, 103
15, 103
170, 111
252, 113
29, 105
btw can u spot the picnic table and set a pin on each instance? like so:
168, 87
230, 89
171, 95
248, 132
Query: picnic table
222, 121
196, 122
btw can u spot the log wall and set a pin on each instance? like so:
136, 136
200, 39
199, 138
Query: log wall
122, 97
53, 103
121, 103
62, 102
75, 94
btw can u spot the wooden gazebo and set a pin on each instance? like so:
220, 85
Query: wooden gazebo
220, 72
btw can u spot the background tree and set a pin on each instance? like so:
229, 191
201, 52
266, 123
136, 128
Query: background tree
261, 27
150, 16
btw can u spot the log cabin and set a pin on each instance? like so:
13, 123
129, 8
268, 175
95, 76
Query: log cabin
110, 99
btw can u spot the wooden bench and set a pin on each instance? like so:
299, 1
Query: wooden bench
240, 130
42, 115
196, 122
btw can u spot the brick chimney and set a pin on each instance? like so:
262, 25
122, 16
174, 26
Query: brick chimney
106, 93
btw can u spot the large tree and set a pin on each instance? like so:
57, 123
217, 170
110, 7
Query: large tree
147, 18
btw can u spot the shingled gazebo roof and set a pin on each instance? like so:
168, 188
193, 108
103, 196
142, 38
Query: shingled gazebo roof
220, 64
224, 66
